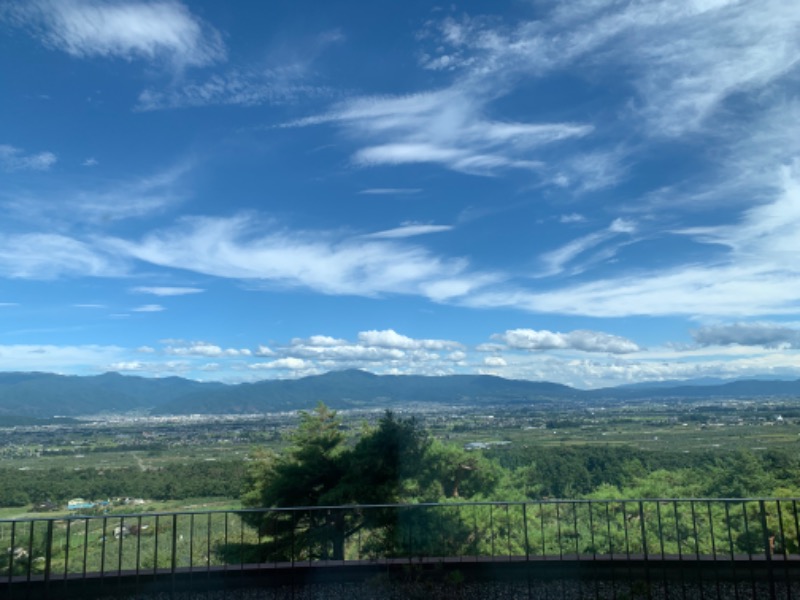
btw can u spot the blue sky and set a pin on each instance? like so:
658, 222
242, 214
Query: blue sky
591, 192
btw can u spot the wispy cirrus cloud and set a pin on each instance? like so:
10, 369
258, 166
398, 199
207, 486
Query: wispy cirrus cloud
685, 58
237, 87
323, 261
408, 230
164, 31
287, 75
167, 290
65, 206
148, 308
445, 127
556, 261
16, 159
390, 191
51, 256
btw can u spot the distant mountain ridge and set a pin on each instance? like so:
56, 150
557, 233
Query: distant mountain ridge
44, 395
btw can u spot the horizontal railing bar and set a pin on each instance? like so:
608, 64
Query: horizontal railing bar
549, 501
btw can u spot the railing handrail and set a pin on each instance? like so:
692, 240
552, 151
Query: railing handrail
542, 501
106, 545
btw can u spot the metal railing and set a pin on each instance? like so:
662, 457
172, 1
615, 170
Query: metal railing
106, 546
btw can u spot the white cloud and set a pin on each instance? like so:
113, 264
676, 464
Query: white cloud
685, 57
49, 256
15, 159
237, 248
90, 162
571, 218
205, 349
583, 340
85, 359
167, 290
749, 275
319, 340
408, 230
389, 338
445, 127
288, 363
286, 76
494, 361
149, 308
158, 30
765, 334
235, 88
112, 201
556, 261
390, 191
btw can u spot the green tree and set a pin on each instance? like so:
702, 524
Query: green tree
307, 475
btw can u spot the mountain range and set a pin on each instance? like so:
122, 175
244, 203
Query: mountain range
44, 395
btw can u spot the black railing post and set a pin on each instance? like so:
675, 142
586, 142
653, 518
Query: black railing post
575, 525
155, 547
711, 529
85, 545
764, 531
644, 531
174, 558
728, 523
66, 548
694, 531
13, 550
677, 529
103, 548
121, 540
48, 552
31, 533
525, 529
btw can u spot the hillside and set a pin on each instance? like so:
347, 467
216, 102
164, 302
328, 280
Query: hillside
44, 395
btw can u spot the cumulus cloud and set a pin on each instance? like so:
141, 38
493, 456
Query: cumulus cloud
494, 361
583, 340
205, 349
389, 338
16, 159
765, 334
157, 30
288, 363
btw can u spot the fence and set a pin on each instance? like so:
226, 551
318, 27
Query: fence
107, 546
